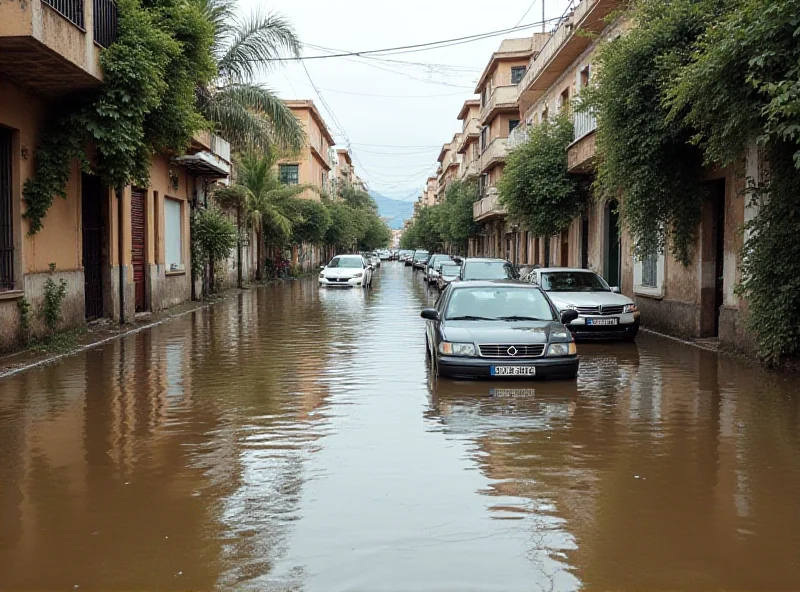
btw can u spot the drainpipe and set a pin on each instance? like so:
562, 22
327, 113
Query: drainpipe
120, 247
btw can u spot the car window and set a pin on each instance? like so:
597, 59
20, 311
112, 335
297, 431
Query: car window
489, 270
346, 262
573, 281
450, 269
498, 303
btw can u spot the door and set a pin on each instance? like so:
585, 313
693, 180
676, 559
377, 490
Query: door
92, 195
6, 213
718, 238
585, 241
547, 240
565, 248
137, 245
613, 260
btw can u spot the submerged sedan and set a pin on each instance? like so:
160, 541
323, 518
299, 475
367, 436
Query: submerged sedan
499, 329
346, 271
603, 312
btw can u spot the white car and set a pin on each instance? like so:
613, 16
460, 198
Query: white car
346, 271
603, 313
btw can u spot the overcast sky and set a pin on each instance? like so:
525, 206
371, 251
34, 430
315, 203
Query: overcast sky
395, 138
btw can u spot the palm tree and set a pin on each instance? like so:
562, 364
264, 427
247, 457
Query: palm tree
248, 114
261, 200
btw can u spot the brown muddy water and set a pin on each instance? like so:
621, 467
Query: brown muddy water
293, 440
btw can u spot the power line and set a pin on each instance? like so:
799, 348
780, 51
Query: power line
345, 92
407, 75
398, 145
529, 9
411, 48
333, 50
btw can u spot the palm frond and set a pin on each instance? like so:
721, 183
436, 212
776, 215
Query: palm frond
254, 42
249, 115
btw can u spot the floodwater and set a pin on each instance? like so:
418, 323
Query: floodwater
291, 439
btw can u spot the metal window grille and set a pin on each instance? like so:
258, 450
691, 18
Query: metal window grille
517, 73
289, 174
6, 214
105, 22
72, 10
650, 270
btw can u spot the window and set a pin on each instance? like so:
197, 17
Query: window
484, 97
517, 72
484, 138
512, 124
649, 271
289, 174
585, 77
564, 99
545, 114
173, 235
6, 213
482, 185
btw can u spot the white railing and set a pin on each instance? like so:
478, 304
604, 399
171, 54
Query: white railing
519, 136
220, 147
585, 123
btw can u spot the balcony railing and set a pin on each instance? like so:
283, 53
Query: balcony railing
105, 22
562, 32
471, 168
501, 95
584, 122
488, 206
72, 10
518, 137
495, 151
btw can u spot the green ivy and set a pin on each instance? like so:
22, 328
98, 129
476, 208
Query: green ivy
536, 187
146, 103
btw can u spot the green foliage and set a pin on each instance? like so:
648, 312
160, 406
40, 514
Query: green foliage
54, 295
24, 307
457, 223
146, 103
375, 235
536, 188
426, 230
645, 155
358, 199
311, 222
344, 230
213, 236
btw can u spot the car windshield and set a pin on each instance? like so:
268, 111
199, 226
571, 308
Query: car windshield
348, 262
420, 255
573, 281
450, 269
489, 270
498, 304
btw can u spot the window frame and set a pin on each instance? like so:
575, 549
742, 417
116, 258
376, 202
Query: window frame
642, 289
521, 70
289, 167
180, 266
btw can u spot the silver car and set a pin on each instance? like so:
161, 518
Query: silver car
603, 313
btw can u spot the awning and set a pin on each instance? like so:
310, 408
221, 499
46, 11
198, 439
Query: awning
204, 164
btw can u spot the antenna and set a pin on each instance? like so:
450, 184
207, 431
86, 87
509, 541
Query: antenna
543, 1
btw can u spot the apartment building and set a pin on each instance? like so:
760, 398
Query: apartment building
343, 174
117, 254
431, 192
450, 163
468, 145
311, 165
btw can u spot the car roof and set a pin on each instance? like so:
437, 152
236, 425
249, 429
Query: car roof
345, 255
570, 269
486, 260
493, 283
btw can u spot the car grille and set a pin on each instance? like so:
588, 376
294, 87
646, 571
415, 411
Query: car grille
517, 351
341, 279
609, 309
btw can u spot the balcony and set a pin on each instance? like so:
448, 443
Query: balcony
53, 46
566, 44
488, 207
581, 153
518, 137
471, 169
503, 98
471, 131
208, 157
494, 154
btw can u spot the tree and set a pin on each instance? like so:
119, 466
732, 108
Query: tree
248, 114
312, 220
458, 224
536, 187
213, 238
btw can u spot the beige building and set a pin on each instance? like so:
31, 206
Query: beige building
450, 164
468, 145
312, 164
118, 255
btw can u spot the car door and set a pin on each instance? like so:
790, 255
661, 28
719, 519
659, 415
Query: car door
432, 327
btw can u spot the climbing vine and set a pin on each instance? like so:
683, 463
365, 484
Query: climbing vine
146, 103
536, 187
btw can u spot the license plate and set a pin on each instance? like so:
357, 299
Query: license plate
611, 321
513, 370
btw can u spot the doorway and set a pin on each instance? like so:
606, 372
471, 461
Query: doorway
584, 241
92, 196
565, 248
547, 240
138, 246
715, 253
613, 261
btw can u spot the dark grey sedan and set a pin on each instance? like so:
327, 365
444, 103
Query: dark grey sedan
499, 329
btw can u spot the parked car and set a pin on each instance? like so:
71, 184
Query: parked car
408, 257
603, 313
488, 269
499, 329
346, 271
448, 272
431, 265
419, 259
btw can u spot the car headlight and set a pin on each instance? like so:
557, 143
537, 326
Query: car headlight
456, 349
562, 349
630, 308
357, 275
322, 276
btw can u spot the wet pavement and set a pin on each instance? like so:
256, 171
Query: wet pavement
291, 439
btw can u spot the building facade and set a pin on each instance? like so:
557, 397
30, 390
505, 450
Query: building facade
117, 253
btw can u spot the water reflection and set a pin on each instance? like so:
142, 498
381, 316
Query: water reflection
292, 438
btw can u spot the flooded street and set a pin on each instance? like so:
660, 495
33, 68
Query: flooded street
291, 439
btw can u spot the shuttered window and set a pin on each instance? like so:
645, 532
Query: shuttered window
6, 214
173, 226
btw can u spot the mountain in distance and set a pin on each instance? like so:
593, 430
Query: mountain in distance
394, 211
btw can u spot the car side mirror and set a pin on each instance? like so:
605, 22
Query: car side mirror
430, 314
615, 289
569, 315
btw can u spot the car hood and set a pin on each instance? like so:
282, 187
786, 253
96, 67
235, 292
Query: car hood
518, 332
588, 298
